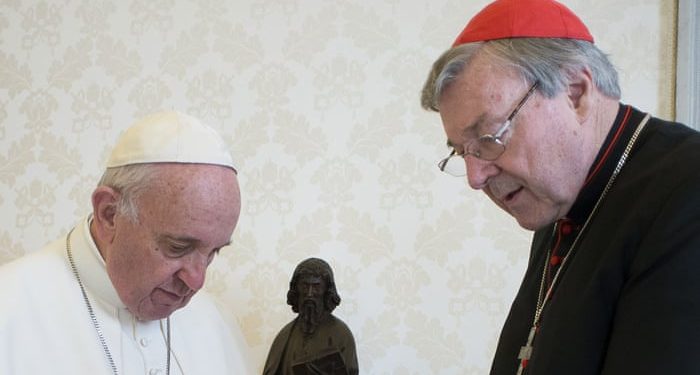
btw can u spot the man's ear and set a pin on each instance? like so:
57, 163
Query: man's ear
104, 213
580, 92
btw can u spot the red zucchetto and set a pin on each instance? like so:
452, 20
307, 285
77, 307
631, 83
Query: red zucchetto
504, 19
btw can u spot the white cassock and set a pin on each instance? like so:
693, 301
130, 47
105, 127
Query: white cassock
45, 327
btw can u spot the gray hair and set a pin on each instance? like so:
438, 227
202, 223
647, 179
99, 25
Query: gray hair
129, 181
550, 61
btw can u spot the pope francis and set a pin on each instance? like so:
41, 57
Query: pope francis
120, 292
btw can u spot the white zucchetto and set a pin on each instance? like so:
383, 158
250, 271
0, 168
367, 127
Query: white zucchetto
170, 137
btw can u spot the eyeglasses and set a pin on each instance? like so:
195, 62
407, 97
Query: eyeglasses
487, 147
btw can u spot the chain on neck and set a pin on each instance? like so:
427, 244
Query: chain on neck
620, 163
543, 297
93, 317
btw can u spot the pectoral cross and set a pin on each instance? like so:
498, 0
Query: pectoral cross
526, 351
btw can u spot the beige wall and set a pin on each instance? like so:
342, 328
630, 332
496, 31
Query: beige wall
319, 102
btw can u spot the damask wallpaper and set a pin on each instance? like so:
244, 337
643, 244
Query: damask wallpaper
319, 103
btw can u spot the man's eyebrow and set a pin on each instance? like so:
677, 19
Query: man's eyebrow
475, 125
471, 128
178, 240
186, 240
174, 238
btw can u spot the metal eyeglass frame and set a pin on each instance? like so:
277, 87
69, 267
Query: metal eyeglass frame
474, 147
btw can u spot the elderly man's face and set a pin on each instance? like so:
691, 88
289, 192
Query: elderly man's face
158, 264
540, 173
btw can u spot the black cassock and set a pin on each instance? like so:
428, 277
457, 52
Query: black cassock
628, 297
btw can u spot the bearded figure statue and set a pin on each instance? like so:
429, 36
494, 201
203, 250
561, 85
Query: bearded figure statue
315, 342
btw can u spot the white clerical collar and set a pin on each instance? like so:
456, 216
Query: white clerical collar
91, 266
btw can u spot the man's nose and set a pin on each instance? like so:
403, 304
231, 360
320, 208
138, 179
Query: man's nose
479, 171
193, 272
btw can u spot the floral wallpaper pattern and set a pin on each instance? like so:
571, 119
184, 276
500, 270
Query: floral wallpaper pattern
318, 101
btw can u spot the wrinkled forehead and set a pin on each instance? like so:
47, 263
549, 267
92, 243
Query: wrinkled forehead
201, 200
